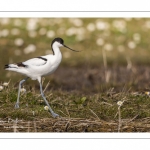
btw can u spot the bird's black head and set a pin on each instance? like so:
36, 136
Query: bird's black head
59, 40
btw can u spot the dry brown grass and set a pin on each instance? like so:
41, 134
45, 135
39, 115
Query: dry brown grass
74, 125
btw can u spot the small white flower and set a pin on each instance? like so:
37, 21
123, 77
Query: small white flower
50, 34
100, 41
4, 21
15, 31
5, 84
23, 90
119, 103
33, 113
4, 33
91, 27
147, 93
46, 108
30, 49
18, 41
101, 25
132, 45
108, 47
32, 24
120, 25
1, 88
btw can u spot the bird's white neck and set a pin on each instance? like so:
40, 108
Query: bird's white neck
56, 50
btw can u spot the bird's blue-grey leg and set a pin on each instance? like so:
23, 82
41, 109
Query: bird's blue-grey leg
20, 83
50, 109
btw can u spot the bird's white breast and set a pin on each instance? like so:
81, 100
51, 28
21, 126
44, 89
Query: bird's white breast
53, 63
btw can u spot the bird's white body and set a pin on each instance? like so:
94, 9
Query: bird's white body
40, 66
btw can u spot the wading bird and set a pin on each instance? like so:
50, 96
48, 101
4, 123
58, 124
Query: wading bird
38, 67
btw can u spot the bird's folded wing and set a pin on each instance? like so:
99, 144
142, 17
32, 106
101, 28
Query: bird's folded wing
38, 61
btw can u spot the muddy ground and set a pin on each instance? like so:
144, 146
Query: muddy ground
92, 79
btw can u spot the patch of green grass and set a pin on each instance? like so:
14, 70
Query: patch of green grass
102, 106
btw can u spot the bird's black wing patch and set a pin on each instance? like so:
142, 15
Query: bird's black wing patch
6, 66
20, 64
42, 58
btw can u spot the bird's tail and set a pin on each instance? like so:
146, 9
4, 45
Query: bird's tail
15, 66
10, 66
18, 67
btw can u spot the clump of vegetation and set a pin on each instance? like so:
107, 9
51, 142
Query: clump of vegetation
102, 107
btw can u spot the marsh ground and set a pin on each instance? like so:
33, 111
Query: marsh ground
113, 66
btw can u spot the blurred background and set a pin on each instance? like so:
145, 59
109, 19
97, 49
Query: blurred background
115, 51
